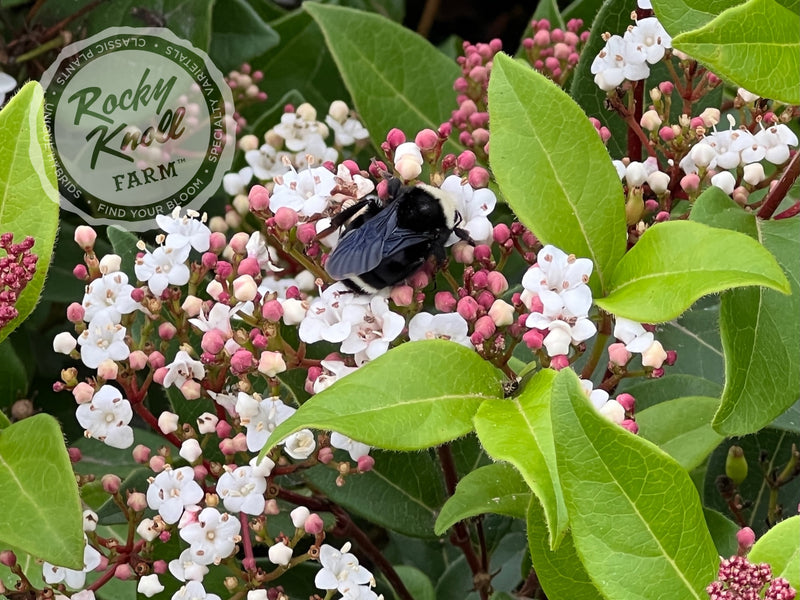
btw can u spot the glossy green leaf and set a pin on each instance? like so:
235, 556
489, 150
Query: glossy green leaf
123, 242
300, 62
681, 428
28, 189
649, 392
614, 487
585, 10
780, 547
723, 531
678, 16
497, 488
570, 199
33, 463
13, 375
239, 34
560, 571
755, 45
380, 61
418, 395
519, 430
403, 492
755, 337
677, 262
548, 9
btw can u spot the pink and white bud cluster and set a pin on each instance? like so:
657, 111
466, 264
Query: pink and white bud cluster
244, 88
739, 578
634, 338
17, 268
555, 52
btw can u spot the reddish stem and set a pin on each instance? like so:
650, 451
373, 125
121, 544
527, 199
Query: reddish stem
778, 193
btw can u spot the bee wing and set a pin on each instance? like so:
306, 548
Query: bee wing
361, 250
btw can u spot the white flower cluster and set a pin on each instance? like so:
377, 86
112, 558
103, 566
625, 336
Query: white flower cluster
341, 571
296, 140
629, 56
559, 282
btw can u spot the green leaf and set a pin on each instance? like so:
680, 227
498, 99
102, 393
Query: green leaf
403, 492
123, 242
780, 547
417, 583
723, 531
560, 572
678, 16
586, 10
300, 62
13, 375
497, 488
239, 35
379, 61
519, 430
649, 392
755, 45
570, 199
755, 337
28, 188
418, 395
682, 428
614, 487
675, 263
34, 463
548, 9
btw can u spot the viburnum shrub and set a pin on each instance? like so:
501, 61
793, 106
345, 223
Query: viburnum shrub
547, 407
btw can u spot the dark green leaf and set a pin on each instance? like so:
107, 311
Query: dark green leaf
649, 392
124, 243
239, 34
723, 532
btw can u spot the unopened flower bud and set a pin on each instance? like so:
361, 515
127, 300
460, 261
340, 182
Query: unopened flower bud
754, 173
724, 181
650, 120
402, 295
157, 463
365, 463
280, 554
149, 585
190, 450
147, 530
658, 182
463, 253
710, 117
110, 263
111, 483
736, 465
745, 537
245, 288
123, 571
8, 558
137, 501
85, 237
618, 354
271, 363
467, 307
107, 369
191, 389
299, 516
207, 423
313, 524
168, 422
502, 313
478, 177
64, 343
654, 356
83, 392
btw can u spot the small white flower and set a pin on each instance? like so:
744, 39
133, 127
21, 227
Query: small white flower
242, 490
182, 369
563, 274
474, 206
184, 568
635, 337
162, 267
300, 445
184, 232
89, 520
347, 133
147, 530
650, 38
331, 317
149, 585
172, 491
371, 334
219, 318
617, 61
340, 570
106, 418
754, 173
354, 448
776, 140
261, 417
236, 183
447, 326
333, 370
102, 339
280, 554
212, 537
109, 295
72, 578
747, 97
610, 409
307, 192
267, 162
194, 590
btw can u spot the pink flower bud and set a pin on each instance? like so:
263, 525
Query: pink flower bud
497, 283
485, 326
325, 455
226, 446
541, 38
111, 483
259, 198
272, 311
618, 354
313, 524
160, 567
654, 356
480, 279
666, 87
662, 216
650, 120
75, 454
478, 177
156, 360
191, 389
249, 266
241, 361
83, 392
630, 425
477, 339
85, 237
223, 429
8, 558
745, 537
466, 160
306, 232
137, 360
238, 243
502, 313
213, 341
75, 313
690, 183
245, 288
141, 454
463, 253
123, 571
286, 218
666, 133
559, 362
395, 137
672, 356
483, 253
271, 363
501, 233
485, 299
627, 402
651, 205
157, 463
533, 339
468, 308
167, 331
239, 442
402, 295
426, 140
444, 302
365, 463
137, 501
419, 279
164, 536
80, 272
217, 242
